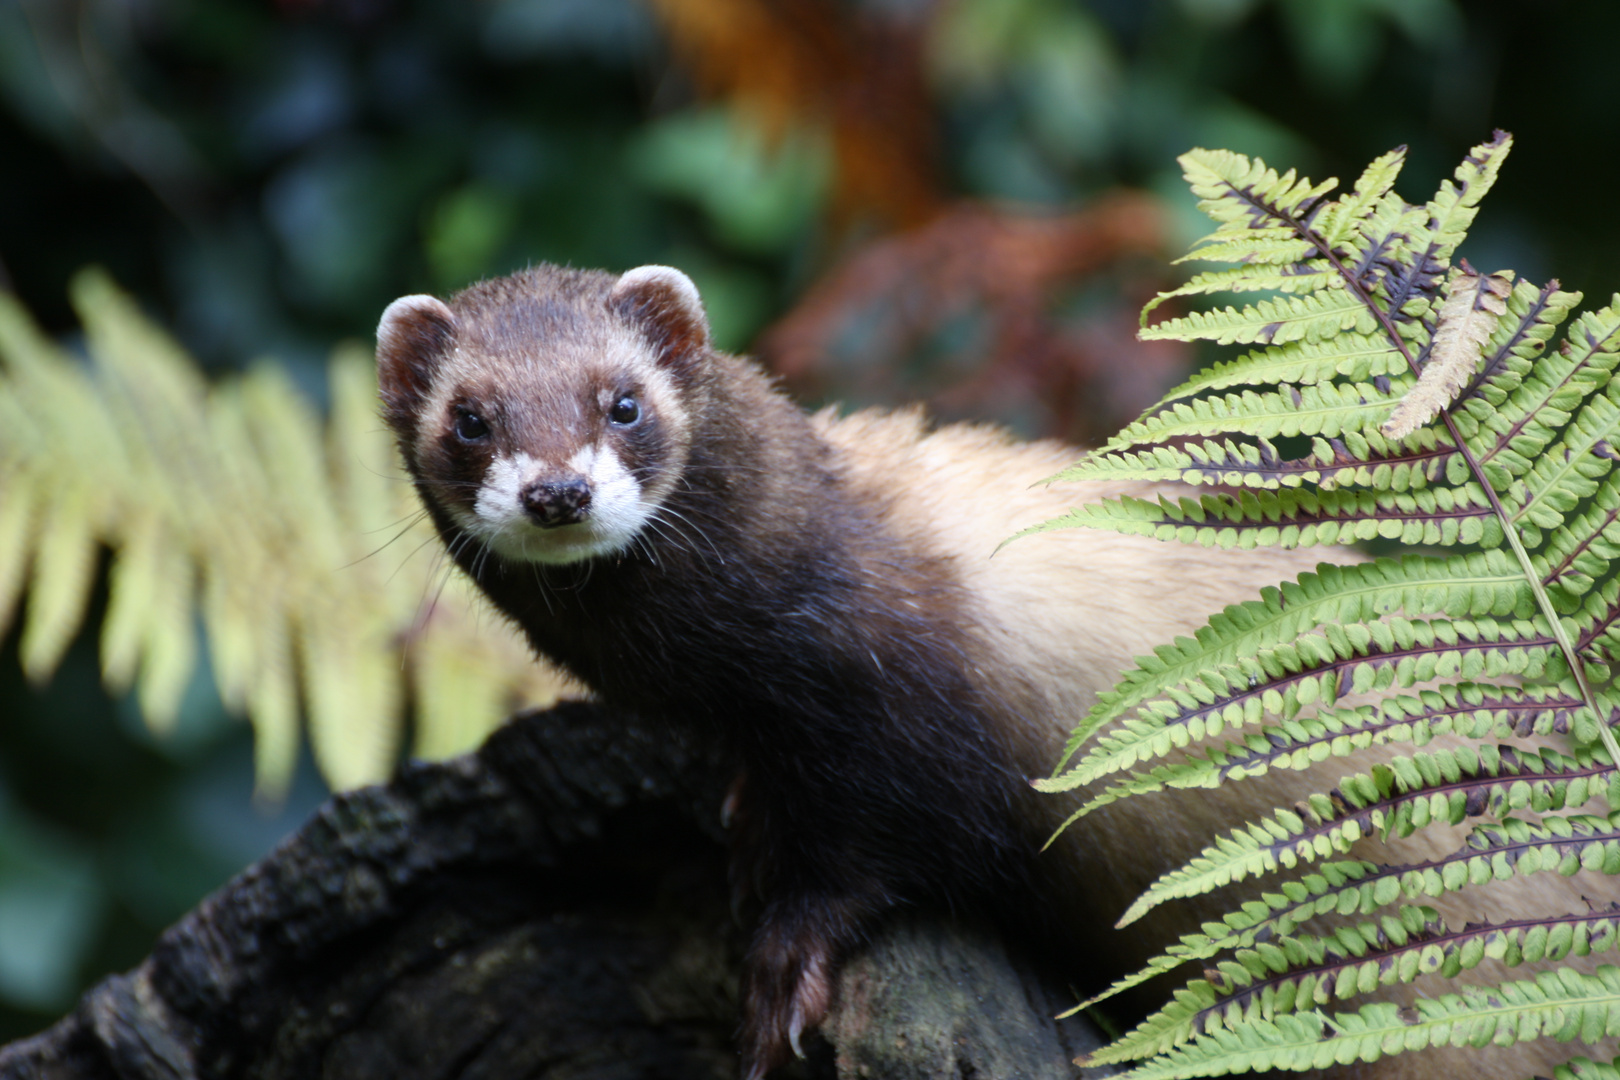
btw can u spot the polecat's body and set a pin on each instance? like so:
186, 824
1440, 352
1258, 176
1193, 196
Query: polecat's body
818, 593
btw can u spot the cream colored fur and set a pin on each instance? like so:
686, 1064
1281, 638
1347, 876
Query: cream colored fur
1057, 617
1068, 611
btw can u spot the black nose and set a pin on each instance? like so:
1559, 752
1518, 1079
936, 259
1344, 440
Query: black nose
550, 503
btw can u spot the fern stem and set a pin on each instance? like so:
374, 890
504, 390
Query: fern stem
1543, 601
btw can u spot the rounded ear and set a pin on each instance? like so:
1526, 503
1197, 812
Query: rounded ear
413, 337
665, 304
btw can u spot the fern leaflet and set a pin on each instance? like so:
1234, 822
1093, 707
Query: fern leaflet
1439, 408
253, 519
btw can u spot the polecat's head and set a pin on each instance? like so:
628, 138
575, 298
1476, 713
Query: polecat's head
547, 414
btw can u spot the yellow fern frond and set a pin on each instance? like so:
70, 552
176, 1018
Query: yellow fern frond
237, 519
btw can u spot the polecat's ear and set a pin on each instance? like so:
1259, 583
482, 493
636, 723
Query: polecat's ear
413, 337
665, 304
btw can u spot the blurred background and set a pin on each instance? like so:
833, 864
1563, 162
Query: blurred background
959, 201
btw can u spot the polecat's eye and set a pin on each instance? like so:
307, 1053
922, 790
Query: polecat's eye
625, 411
470, 427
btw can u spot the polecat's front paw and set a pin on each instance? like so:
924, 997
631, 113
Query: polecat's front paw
786, 990
788, 973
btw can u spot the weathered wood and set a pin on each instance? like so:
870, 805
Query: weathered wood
554, 905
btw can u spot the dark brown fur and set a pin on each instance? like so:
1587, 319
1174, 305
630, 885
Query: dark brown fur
785, 621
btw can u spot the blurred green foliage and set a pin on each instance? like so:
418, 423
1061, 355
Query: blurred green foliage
266, 175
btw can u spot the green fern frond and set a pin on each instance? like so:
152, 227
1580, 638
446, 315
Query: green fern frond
1507, 443
1296, 519
240, 522
1563, 1005
1325, 409
1333, 887
1280, 975
1454, 206
1355, 358
1295, 973
1310, 319
1578, 556
1581, 1068
1243, 196
1344, 220
1395, 798
1378, 657
1363, 458
1469, 710
1276, 629
1293, 278
1568, 472
1491, 852
1521, 427
1257, 247
1524, 327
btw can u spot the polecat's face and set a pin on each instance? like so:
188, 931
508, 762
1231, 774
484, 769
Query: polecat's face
549, 428
549, 472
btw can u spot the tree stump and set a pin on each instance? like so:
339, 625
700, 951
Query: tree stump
554, 905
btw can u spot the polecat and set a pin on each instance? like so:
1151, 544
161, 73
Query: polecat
816, 592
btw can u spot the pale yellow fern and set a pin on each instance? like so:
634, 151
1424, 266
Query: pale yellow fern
291, 548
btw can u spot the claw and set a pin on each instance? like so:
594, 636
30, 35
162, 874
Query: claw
787, 976
795, 1029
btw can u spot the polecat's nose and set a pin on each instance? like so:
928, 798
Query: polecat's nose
550, 503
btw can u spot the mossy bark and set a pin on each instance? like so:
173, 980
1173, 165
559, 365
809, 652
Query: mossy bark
554, 905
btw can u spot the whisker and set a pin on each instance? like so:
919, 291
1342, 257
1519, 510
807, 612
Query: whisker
671, 512
432, 540
542, 587
410, 523
642, 544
